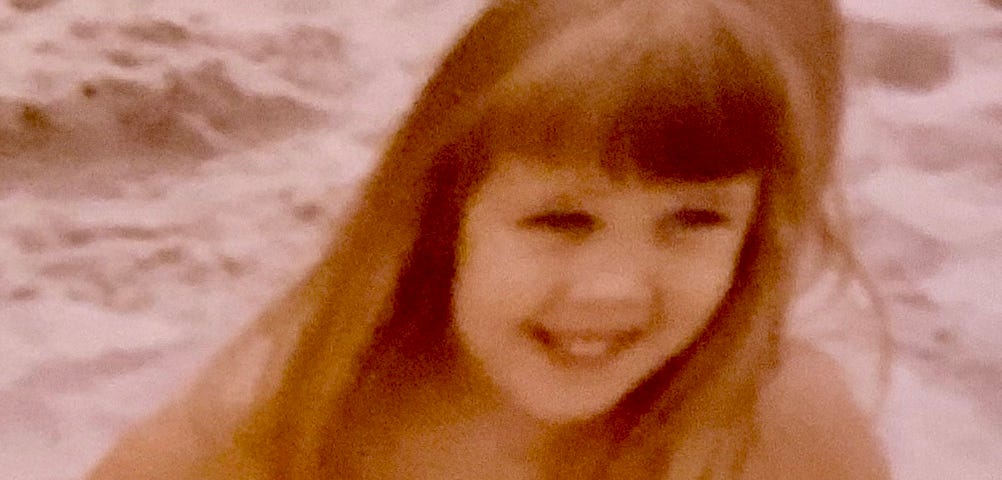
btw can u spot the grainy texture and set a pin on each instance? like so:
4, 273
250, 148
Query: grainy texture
167, 168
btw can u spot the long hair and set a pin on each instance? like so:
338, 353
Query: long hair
667, 89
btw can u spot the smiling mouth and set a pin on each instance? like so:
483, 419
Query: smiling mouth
583, 349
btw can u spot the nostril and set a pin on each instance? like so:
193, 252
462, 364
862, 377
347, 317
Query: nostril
541, 335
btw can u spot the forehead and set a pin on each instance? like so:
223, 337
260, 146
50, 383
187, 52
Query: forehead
578, 176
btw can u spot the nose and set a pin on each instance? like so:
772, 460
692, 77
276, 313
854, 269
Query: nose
616, 292
616, 287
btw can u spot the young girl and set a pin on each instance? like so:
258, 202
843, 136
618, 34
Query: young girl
573, 262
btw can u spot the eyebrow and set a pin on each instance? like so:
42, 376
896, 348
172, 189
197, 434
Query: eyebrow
715, 196
567, 200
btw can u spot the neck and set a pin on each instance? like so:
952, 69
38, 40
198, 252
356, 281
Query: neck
465, 414
491, 414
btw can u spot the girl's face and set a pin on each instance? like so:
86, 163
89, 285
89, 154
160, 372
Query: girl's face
572, 288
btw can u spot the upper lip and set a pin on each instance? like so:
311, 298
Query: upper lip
550, 334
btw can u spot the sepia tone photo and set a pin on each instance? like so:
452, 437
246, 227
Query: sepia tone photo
501, 239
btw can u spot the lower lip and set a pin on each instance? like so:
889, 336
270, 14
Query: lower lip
589, 357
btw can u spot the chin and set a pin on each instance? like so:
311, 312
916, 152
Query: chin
556, 409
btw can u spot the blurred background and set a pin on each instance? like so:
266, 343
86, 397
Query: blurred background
167, 168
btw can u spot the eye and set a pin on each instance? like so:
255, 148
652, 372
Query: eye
573, 222
698, 218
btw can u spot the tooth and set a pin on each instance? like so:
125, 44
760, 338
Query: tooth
588, 348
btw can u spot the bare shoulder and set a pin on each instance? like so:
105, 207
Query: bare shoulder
810, 426
192, 435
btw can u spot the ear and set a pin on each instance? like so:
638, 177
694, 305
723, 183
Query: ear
810, 426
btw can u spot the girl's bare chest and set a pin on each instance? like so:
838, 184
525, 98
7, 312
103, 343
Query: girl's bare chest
459, 466
446, 455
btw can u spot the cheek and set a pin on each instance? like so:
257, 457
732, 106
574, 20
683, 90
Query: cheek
497, 284
695, 284
709, 281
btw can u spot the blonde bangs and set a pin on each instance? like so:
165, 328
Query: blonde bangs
682, 95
